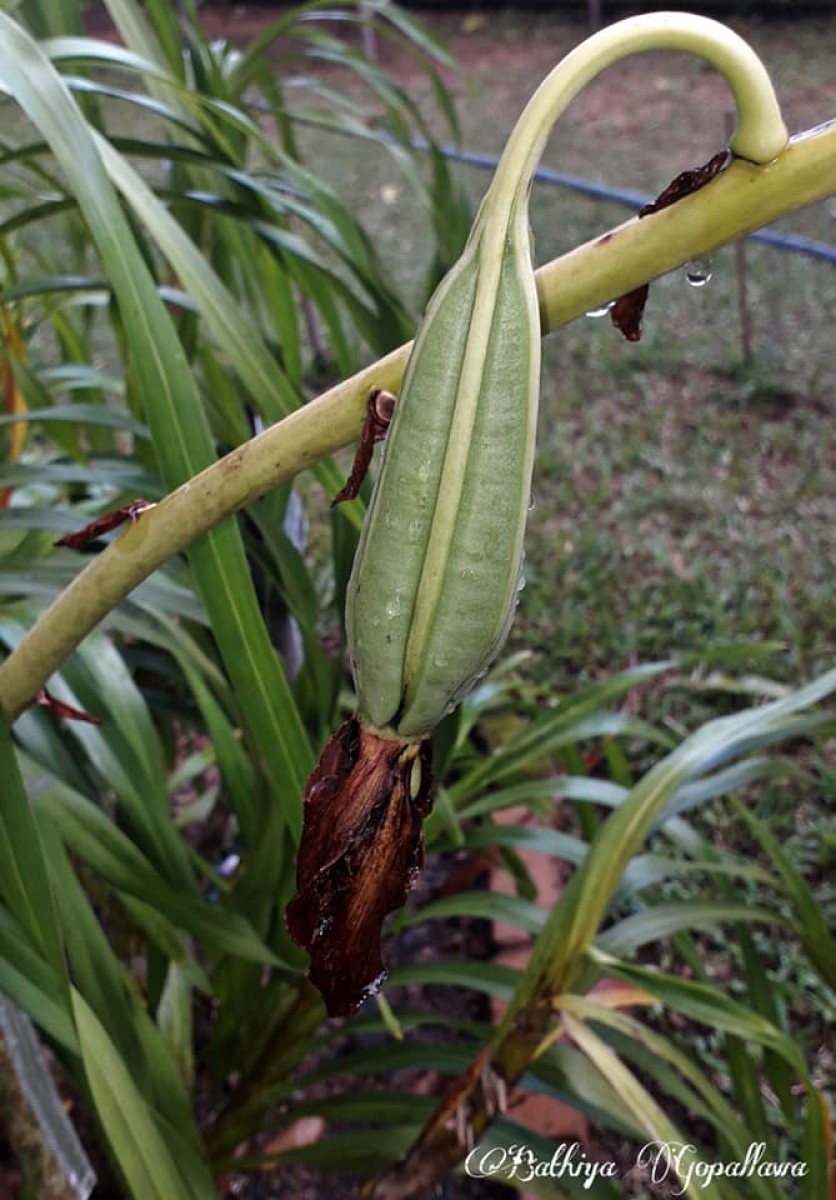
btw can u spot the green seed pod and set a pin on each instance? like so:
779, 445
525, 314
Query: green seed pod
437, 570
435, 578
436, 574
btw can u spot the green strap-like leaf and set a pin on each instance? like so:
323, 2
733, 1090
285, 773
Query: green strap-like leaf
660, 1058
817, 1147
91, 835
34, 990
144, 1159
575, 919
812, 925
172, 407
25, 884
662, 920
650, 1116
704, 1003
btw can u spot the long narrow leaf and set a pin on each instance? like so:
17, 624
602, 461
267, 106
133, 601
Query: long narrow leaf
575, 919
181, 433
98, 842
813, 928
713, 1106
149, 1169
25, 883
704, 1003
658, 1127
662, 920
33, 986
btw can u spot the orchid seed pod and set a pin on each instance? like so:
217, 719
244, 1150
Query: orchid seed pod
435, 576
435, 579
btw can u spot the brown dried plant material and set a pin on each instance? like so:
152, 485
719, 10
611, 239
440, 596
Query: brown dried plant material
688, 182
626, 314
466, 1107
13, 402
377, 422
360, 854
82, 538
46, 700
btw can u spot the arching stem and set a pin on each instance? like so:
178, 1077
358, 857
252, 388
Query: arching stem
759, 137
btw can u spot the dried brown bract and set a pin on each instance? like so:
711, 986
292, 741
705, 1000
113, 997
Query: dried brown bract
46, 700
466, 1107
626, 314
378, 419
82, 538
687, 182
361, 851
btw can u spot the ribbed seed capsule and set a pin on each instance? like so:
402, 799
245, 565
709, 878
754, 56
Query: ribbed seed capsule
432, 591
434, 583
435, 577
430, 599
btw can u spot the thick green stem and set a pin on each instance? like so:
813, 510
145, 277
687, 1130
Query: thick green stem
760, 135
741, 199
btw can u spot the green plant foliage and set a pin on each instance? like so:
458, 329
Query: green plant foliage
174, 273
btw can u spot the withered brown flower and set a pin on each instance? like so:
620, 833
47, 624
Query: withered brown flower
361, 851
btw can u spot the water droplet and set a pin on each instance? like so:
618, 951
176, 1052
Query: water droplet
440, 661
698, 272
393, 608
601, 310
531, 502
424, 470
371, 989
389, 518
469, 573
415, 528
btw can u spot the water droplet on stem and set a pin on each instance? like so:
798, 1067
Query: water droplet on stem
601, 310
698, 272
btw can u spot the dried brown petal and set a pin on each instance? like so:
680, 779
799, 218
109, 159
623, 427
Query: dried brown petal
360, 854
